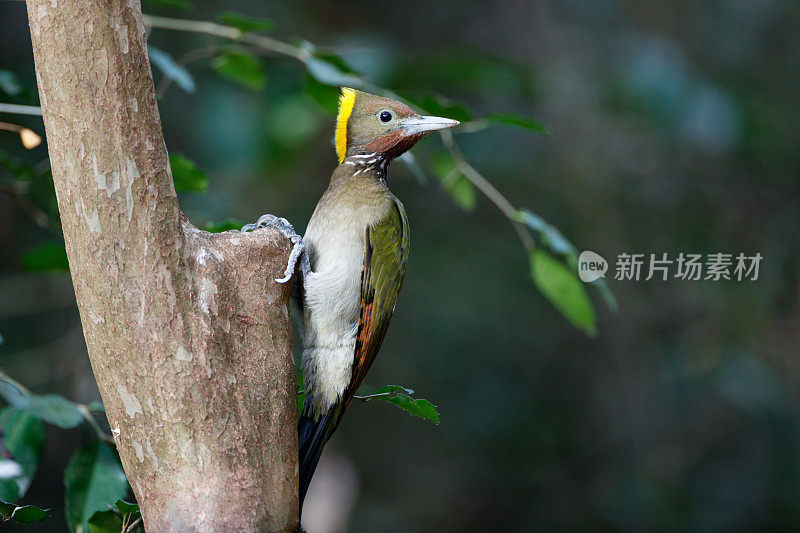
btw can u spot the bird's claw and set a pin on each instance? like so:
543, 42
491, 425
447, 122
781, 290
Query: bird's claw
298, 250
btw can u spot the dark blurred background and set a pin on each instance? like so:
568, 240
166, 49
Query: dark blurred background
676, 129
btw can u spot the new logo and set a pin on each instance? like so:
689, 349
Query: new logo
591, 266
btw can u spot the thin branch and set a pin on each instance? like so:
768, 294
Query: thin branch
133, 525
304, 56
7, 126
367, 397
226, 32
370, 397
8, 379
472, 126
87, 415
21, 109
29, 138
489, 190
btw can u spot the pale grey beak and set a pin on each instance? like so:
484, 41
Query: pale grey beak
414, 125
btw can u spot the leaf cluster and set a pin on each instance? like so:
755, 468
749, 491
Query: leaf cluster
93, 479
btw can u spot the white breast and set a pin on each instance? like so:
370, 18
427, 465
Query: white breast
332, 303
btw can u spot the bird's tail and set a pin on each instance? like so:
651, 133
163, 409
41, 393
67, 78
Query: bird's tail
312, 436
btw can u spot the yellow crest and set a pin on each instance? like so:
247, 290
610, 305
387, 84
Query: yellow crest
346, 102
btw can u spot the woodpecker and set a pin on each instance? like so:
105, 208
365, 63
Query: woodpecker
352, 262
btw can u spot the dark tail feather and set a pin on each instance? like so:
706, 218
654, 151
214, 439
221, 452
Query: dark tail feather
312, 436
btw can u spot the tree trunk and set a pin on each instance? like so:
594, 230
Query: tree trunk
188, 334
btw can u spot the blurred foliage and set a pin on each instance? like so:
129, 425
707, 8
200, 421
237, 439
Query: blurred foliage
454, 182
94, 480
556, 281
244, 22
186, 175
170, 69
49, 256
180, 5
673, 130
23, 436
224, 225
564, 290
243, 68
9, 83
93, 477
124, 517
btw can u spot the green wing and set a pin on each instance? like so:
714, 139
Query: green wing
385, 259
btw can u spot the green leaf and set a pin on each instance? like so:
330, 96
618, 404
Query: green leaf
47, 257
325, 71
9, 83
517, 121
25, 514
127, 507
186, 175
549, 236
402, 398
105, 522
440, 106
564, 290
110, 521
57, 410
334, 59
28, 514
417, 407
93, 480
327, 96
23, 437
245, 23
6, 510
224, 225
463, 194
242, 68
170, 69
298, 111
183, 5
454, 182
51, 408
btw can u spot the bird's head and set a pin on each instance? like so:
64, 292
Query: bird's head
369, 124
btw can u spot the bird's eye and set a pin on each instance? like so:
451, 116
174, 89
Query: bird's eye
385, 116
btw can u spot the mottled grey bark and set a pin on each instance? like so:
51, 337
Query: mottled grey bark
188, 334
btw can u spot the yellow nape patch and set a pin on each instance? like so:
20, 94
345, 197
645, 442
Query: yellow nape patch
346, 102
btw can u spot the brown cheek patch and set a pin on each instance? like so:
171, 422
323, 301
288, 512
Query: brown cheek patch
393, 143
385, 142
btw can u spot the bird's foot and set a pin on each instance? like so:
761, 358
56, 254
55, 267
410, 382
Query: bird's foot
298, 250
